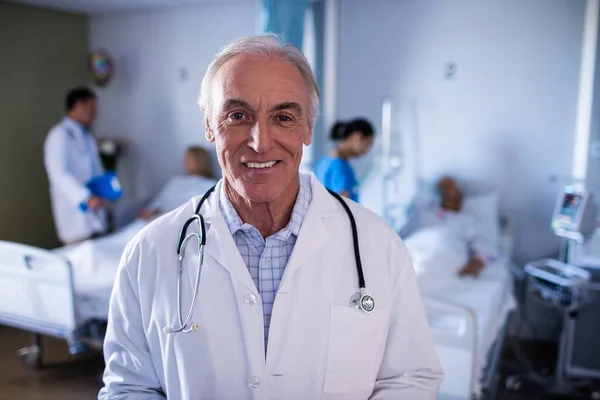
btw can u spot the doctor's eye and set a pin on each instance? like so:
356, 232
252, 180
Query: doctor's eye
236, 116
284, 118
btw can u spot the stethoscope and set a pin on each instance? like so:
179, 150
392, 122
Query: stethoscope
360, 300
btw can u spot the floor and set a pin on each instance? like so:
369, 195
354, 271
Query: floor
67, 379
540, 357
61, 378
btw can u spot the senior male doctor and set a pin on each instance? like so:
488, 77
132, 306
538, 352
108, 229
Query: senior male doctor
71, 159
272, 317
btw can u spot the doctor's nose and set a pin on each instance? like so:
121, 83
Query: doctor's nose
261, 138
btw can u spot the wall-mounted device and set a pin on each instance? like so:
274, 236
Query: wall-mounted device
575, 215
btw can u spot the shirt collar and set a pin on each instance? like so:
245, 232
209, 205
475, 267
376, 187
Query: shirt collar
75, 124
235, 224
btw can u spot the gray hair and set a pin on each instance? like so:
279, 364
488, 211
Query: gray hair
265, 45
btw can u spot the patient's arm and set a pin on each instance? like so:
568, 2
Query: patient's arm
473, 267
481, 253
146, 213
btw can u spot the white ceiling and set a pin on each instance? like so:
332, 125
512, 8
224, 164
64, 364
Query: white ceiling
112, 6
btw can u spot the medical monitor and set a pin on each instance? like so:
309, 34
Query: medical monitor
575, 214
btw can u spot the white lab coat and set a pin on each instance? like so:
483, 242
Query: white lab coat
319, 347
71, 159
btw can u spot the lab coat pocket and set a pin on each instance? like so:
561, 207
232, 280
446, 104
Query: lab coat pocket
355, 343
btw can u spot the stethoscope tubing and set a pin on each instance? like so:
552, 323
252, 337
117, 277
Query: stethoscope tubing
201, 237
359, 268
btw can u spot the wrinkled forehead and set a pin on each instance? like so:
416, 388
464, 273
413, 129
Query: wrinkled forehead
260, 82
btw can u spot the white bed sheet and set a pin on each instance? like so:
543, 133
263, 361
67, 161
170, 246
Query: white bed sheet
95, 263
490, 297
437, 256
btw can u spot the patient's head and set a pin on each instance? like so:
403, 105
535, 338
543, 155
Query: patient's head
197, 162
451, 194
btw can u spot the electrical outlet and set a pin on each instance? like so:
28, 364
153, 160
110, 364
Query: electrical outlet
450, 70
183, 74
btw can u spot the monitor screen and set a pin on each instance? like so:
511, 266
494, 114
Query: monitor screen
570, 207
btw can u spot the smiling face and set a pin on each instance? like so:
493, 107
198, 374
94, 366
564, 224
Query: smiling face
259, 120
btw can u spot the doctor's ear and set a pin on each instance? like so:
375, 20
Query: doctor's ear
308, 135
208, 132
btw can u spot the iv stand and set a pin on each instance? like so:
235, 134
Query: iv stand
386, 138
390, 164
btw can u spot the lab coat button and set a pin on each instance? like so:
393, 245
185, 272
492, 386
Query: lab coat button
250, 299
253, 382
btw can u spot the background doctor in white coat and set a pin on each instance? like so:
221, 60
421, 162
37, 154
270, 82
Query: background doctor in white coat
273, 317
71, 159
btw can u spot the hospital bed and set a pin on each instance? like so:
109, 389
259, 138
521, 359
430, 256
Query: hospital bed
468, 317
62, 293
65, 292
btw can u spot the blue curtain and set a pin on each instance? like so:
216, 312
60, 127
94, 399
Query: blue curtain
285, 18
320, 136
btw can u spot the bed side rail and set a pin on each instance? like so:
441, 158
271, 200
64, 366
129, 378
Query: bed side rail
36, 290
454, 330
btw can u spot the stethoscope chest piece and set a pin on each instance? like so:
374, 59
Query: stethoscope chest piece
363, 302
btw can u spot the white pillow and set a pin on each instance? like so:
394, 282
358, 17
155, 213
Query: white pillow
484, 208
481, 206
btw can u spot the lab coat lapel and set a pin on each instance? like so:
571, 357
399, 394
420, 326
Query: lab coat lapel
220, 244
313, 236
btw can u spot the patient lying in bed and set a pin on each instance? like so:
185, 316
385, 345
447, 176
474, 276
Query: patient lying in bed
180, 188
447, 227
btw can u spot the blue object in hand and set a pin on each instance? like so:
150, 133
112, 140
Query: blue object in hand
106, 186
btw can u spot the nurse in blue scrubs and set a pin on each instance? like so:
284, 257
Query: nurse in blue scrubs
354, 138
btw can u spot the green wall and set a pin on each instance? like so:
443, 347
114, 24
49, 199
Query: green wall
42, 54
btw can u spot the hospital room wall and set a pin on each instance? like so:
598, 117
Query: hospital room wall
43, 53
507, 115
160, 59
